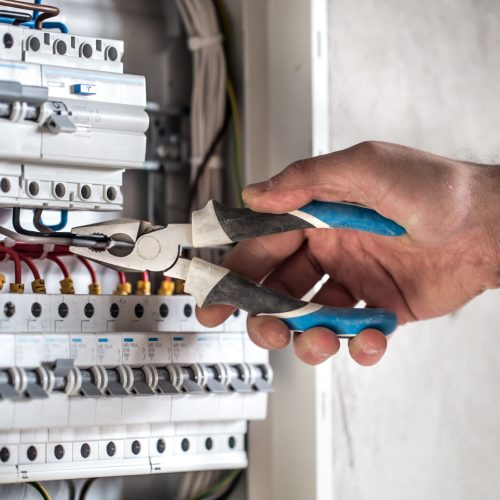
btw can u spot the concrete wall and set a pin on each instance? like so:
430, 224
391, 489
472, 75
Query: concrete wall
425, 422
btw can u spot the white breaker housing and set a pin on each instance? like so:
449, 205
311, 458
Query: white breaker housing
105, 385
70, 120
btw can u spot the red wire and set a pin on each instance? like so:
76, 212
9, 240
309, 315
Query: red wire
14, 256
145, 276
32, 266
60, 263
122, 277
89, 267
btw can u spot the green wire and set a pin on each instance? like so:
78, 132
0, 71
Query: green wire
38, 487
219, 485
237, 163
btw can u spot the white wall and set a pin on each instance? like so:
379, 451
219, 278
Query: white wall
425, 423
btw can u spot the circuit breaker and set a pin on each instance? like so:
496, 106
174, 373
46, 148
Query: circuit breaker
72, 121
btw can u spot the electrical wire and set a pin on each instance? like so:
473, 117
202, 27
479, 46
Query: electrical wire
62, 266
85, 488
90, 268
208, 99
31, 265
14, 256
44, 228
61, 238
237, 136
206, 159
237, 139
40, 489
221, 487
46, 11
122, 277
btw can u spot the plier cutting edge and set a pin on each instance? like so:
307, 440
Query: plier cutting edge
144, 247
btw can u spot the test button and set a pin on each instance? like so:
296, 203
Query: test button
84, 89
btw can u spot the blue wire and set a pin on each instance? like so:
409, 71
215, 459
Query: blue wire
61, 224
49, 25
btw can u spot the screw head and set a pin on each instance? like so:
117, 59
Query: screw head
32, 453
4, 455
9, 309
136, 447
36, 309
59, 451
111, 449
85, 450
63, 310
88, 310
114, 310
139, 311
161, 446
164, 310
8, 41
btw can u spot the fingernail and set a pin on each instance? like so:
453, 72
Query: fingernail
371, 350
258, 188
277, 341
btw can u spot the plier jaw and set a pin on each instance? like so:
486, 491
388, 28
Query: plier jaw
151, 248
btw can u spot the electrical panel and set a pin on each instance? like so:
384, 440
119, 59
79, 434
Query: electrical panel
102, 385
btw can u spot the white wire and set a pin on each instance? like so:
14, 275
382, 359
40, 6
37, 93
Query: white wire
208, 100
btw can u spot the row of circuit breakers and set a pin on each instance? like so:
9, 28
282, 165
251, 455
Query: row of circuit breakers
97, 385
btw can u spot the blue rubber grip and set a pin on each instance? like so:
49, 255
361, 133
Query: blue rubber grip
345, 322
348, 216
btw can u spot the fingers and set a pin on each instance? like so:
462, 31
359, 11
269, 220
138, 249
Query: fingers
254, 259
348, 175
315, 345
368, 347
268, 332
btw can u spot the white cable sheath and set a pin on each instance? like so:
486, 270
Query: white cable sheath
208, 99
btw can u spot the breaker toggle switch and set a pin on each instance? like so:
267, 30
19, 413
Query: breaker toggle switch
165, 383
261, 377
140, 384
192, 379
114, 386
239, 378
90, 382
36, 383
59, 120
84, 89
217, 377
9, 381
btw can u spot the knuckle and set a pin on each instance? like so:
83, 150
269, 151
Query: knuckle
369, 148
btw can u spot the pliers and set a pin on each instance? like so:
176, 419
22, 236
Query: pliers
144, 247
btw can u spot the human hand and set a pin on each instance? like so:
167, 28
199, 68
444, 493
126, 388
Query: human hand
450, 254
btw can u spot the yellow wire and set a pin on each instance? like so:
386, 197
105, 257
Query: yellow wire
43, 492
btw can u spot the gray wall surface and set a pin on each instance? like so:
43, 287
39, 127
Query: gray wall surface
425, 422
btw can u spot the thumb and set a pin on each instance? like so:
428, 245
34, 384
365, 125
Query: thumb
349, 175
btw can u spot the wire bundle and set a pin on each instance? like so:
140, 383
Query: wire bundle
208, 99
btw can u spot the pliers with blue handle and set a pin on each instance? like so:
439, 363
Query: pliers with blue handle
144, 247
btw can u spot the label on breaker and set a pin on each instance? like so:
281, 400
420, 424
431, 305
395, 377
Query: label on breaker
159, 349
28, 350
55, 347
184, 348
231, 346
108, 350
208, 348
82, 350
7, 350
134, 348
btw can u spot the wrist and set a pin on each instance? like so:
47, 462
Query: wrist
484, 185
